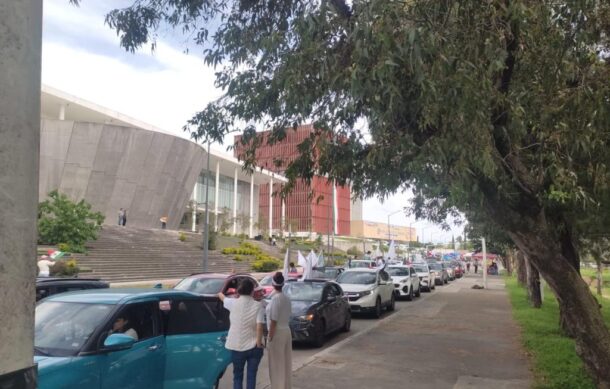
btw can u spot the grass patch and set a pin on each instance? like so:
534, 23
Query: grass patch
553, 356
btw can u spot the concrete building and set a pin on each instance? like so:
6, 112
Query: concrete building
309, 208
114, 161
380, 231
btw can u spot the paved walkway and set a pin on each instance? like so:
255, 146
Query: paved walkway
456, 337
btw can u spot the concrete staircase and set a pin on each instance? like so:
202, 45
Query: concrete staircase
122, 254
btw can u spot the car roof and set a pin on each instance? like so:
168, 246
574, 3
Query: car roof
118, 295
66, 279
361, 269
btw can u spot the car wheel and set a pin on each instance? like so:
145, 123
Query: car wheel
392, 305
320, 335
410, 294
348, 322
377, 311
418, 294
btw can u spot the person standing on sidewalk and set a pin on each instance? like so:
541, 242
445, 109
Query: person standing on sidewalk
245, 338
124, 217
121, 216
476, 266
279, 338
468, 267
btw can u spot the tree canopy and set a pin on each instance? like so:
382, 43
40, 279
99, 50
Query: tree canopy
499, 108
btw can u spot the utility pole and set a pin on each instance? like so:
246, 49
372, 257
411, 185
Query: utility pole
206, 235
484, 263
20, 53
334, 218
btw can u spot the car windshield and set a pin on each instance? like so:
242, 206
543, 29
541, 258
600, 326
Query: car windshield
421, 269
398, 271
435, 266
357, 277
267, 281
62, 329
304, 291
201, 285
356, 264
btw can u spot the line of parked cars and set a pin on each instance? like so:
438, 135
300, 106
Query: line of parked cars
99, 337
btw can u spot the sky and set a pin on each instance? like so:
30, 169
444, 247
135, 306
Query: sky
81, 56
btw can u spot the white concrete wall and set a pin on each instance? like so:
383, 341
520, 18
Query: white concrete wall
20, 51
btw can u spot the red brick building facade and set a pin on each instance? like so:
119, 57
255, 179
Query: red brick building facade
309, 207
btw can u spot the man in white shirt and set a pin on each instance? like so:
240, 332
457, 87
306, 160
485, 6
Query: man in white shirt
245, 337
43, 266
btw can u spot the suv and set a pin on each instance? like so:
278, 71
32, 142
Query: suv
406, 281
210, 284
440, 273
47, 286
368, 290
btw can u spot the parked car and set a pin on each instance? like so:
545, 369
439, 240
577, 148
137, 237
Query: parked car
210, 284
406, 281
440, 273
327, 272
368, 290
48, 286
318, 309
450, 272
458, 269
426, 276
175, 339
266, 283
362, 263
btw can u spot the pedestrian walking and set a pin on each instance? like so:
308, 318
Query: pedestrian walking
121, 216
245, 337
468, 267
279, 341
124, 217
476, 267
163, 221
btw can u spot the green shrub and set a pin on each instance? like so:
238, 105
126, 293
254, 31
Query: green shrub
238, 258
245, 248
65, 247
60, 220
65, 268
182, 237
353, 251
266, 264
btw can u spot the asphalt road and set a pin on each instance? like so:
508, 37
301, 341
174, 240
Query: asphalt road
302, 353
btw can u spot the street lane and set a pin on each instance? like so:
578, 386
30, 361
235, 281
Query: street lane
302, 353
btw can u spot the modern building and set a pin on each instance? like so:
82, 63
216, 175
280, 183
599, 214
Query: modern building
113, 161
309, 208
383, 231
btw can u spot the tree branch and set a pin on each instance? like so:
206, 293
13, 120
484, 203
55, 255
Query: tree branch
342, 8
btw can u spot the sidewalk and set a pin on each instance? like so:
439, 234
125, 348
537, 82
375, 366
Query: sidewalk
455, 338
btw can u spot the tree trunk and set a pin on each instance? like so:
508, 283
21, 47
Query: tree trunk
533, 284
579, 308
521, 269
599, 277
507, 262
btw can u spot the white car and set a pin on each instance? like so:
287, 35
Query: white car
426, 276
368, 290
406, 281
450, 273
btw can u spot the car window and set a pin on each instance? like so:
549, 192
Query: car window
194, 317
141, 321
421, 269
304, 291
62, 289
384, 275
63, 329
42, 293
201, 285
398, 271
412, 271
357, 277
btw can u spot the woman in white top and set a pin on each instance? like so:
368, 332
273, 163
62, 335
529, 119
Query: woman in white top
245, 338
279, 339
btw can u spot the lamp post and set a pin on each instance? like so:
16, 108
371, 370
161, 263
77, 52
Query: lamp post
389, 232
206, 235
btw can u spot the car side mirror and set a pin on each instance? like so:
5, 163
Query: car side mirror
231, 291
117, 342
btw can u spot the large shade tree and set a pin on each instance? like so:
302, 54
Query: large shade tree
498, 106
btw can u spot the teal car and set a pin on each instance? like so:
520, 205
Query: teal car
130, 338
